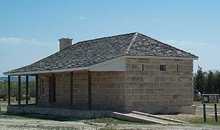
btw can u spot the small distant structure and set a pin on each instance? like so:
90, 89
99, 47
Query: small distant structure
210, 98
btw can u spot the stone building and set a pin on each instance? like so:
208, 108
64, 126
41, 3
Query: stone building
121, 73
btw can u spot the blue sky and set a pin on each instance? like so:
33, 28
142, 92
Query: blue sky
30, 29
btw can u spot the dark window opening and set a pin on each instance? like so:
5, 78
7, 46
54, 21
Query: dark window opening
177, 68
142, 67
163, 67
52, 89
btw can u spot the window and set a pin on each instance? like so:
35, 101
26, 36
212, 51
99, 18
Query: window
142, 67
163, 67
135, 67
177, 68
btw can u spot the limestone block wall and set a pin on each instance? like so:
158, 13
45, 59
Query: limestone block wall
43, 90
108, 90
151, 90
62, 89
80, 90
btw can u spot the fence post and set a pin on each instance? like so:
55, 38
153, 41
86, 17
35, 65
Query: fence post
216, 113
204, 113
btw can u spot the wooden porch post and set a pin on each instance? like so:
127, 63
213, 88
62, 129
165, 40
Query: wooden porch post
27, 88
36, 91
71, 88
89, 91
54, 87
19, 90
9, 90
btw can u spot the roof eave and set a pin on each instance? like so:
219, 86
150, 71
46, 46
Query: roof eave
44, 72
196, 58
164, 57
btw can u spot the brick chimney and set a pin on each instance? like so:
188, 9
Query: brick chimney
64, 43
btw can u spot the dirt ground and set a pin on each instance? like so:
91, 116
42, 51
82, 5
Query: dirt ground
34, 124
12, 122
24, 124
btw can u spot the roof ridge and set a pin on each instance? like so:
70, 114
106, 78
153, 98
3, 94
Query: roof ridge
99, 38
86, 42
110, 36
131, 43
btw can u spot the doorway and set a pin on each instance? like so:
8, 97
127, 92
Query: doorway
52, 88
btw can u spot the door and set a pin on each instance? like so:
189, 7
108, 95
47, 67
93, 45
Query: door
52, 88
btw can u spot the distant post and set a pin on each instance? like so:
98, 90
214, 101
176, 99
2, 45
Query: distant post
216, 113
9, 90
204, 112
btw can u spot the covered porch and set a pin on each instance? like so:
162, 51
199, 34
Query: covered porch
21, 96
73, 90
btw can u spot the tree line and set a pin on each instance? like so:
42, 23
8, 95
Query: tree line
14, 88
207, 82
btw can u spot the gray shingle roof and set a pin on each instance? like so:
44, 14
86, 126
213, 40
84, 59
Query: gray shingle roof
87, 53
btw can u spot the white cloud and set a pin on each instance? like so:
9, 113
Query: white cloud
14, 40
20, 41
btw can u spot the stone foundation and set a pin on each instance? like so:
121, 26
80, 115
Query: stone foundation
62, 112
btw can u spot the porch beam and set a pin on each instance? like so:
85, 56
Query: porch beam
19, 90
36, 90
27, 88
9, 90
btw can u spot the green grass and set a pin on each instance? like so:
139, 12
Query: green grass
209, 120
